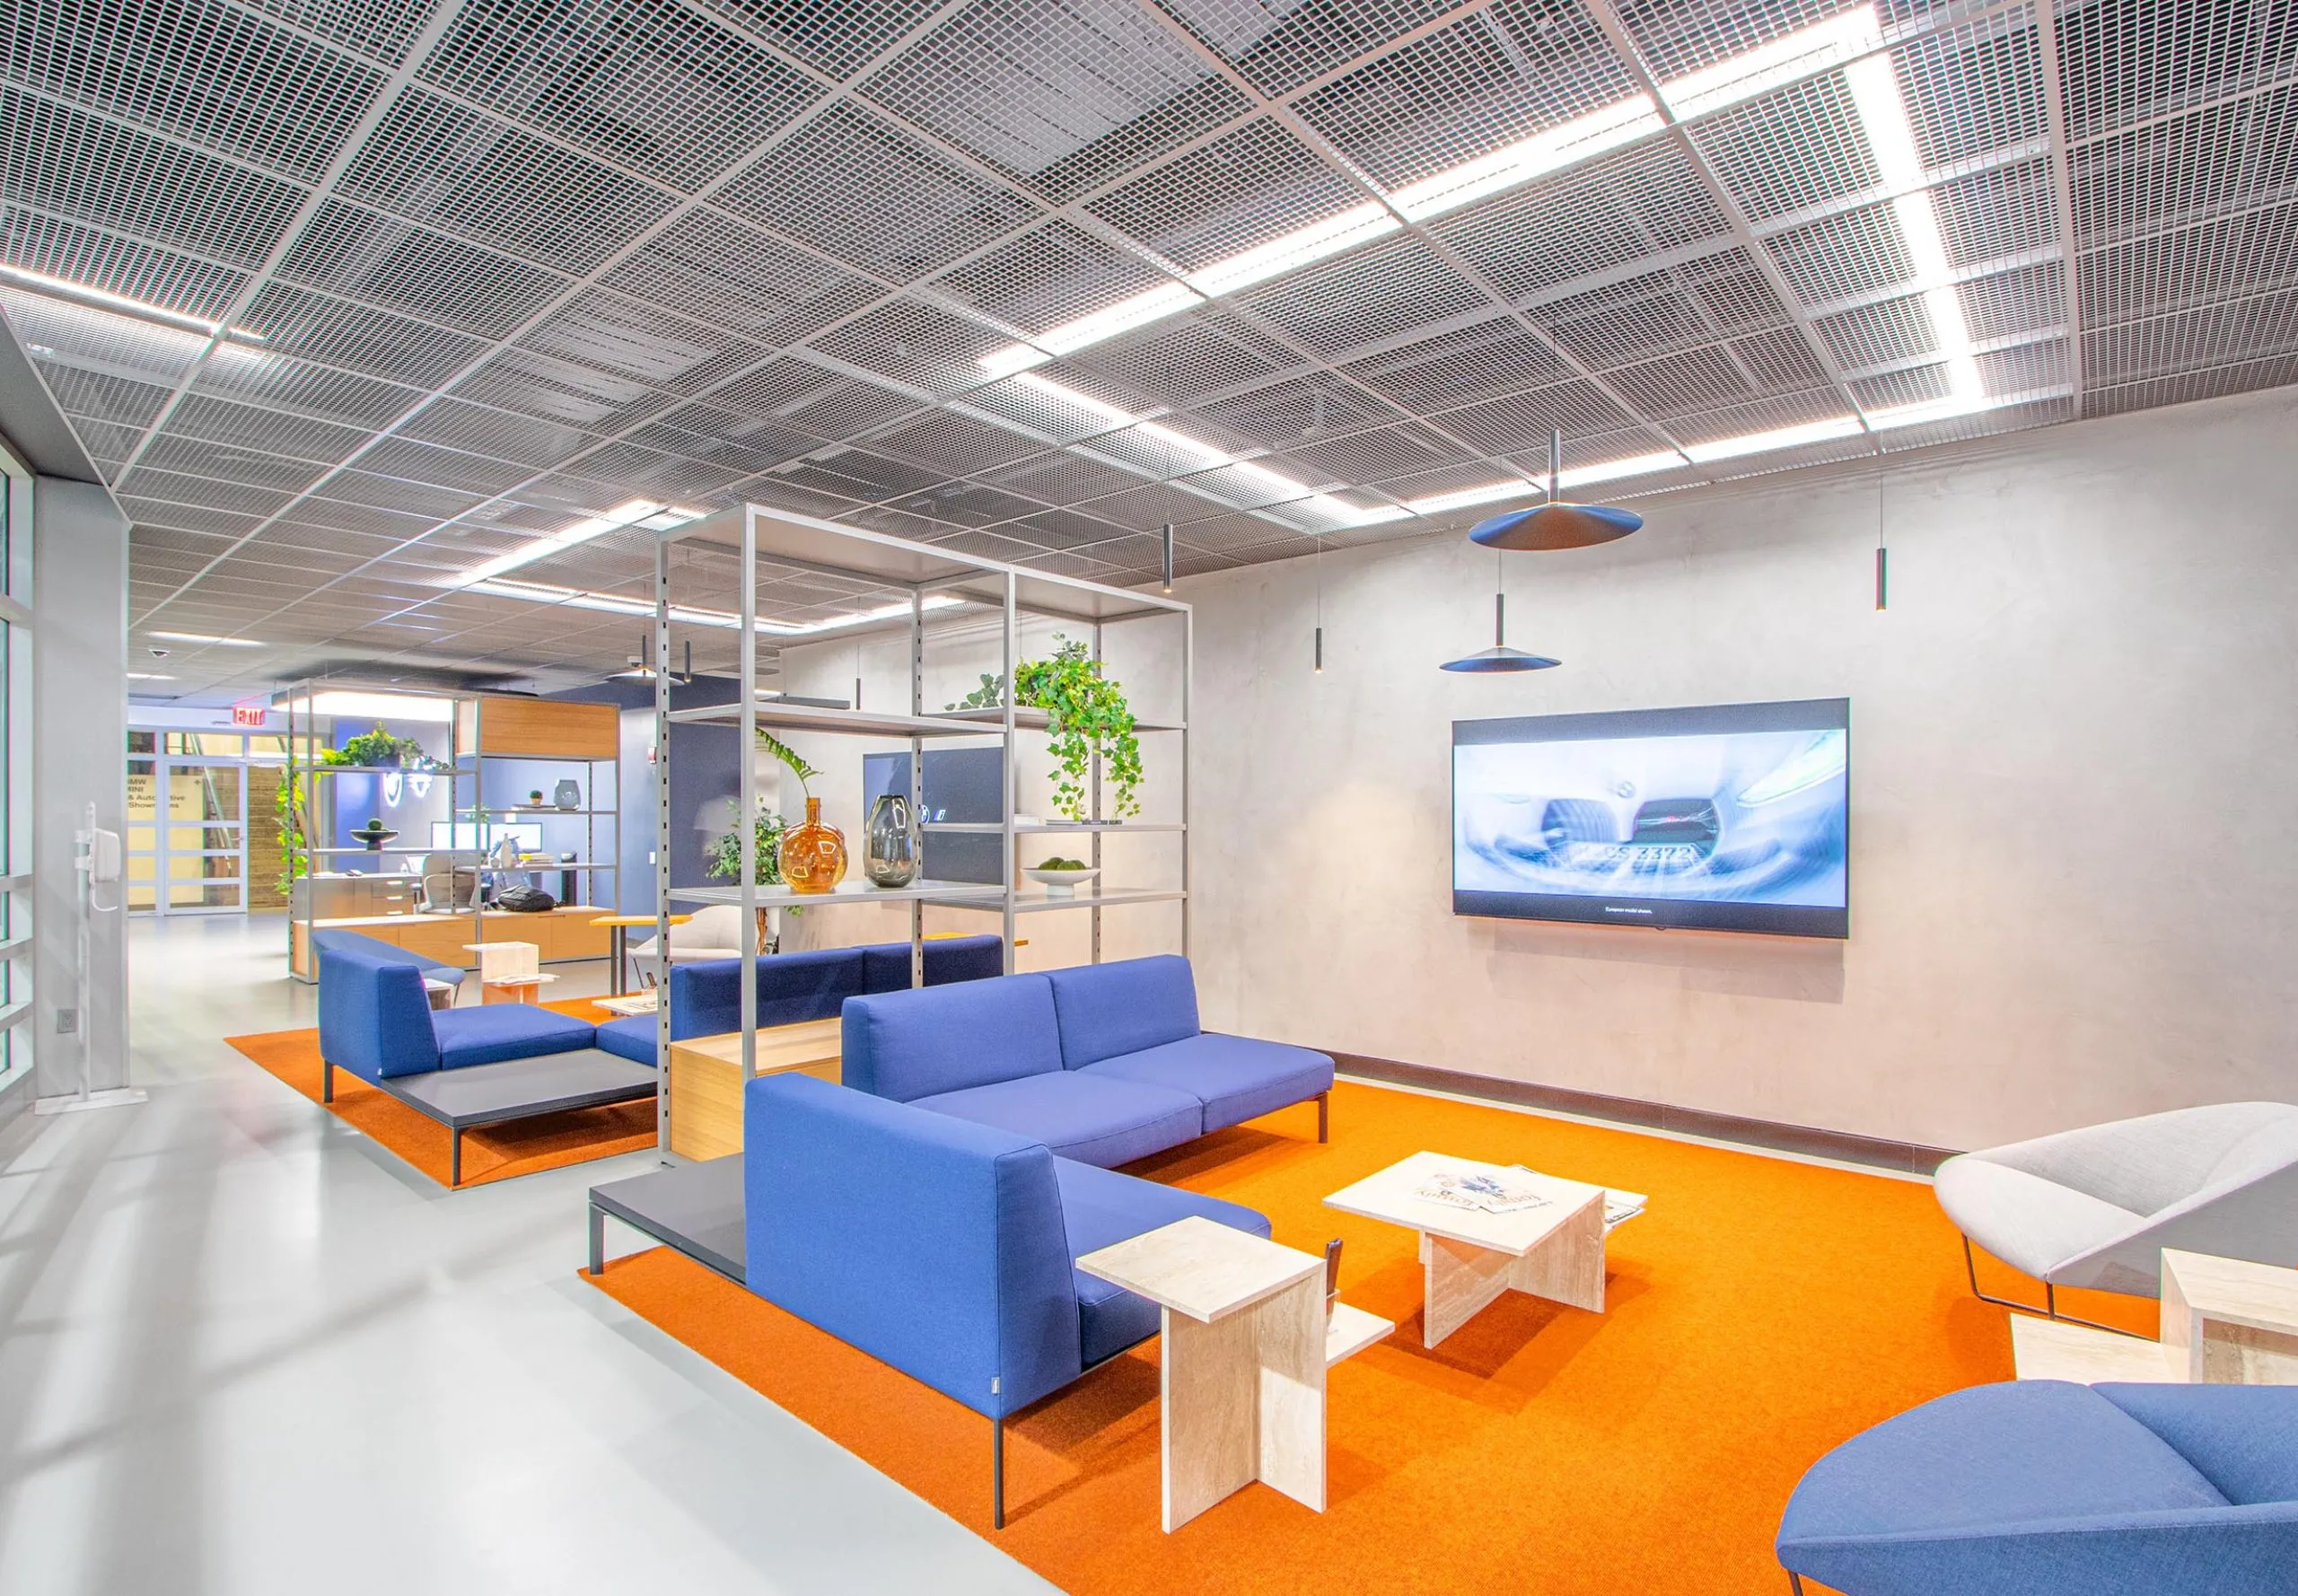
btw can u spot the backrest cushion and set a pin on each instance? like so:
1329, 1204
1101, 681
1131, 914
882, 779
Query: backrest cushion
915, 1043
713, 926
2146, 1164
2272, 1147
375, 1019
2243, 1439
1106, 1010
928, 1241
706, 999
885, 966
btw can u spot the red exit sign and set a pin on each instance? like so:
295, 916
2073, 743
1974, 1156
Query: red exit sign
249, 715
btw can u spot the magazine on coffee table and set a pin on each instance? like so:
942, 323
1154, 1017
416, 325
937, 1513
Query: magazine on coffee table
1487, 1192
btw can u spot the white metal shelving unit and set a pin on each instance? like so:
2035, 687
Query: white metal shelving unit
874, 563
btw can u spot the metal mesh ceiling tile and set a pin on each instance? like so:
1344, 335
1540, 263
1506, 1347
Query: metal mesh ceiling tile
623, 338
1184, 360
2184, 340
2026, 368
858, 474
957, 444
647, 84
1910, 385
2047, 412
430, 464
249, 427
1522, 422
2007, 211
2216, 383
151, 517
100, 173
844, 408
721, 438
472, 176
1974, 89
295, 385
400, 266
2179, 170
1626, 321
2257, 249
1482, 361
914, 344
833, 36
57, 247
2014, 302
1679, 37
1241, 189
534, 384
334, 515
2130, 59
121, 345
1675, 384
1624, 208
656, 474
481, 430
1278, 45
103, 396
1056, 479
852, 186
1779, 359
718, 271
1375, 456
1761, 416
1877, 334
1050, 274
199, 69
384, 493
247, 498
370, 342
1301, 409
967, 503
1061, 94
1498, 76
1843, 255
1375, 294
1796, 147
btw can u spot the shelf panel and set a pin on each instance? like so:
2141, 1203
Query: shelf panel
1036, 903
1028, 720
855, 722
846, 892
1049, 828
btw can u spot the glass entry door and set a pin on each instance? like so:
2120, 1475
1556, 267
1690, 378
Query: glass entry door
192, 858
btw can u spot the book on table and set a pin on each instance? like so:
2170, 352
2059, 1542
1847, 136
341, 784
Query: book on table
1487, 1192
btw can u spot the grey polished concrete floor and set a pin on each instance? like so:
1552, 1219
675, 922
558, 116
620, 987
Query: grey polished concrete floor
243, 1350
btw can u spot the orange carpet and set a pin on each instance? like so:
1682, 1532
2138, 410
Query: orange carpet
1759, 1312
495, 1152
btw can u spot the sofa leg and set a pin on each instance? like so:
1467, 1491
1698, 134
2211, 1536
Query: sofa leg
1795, 1582
327, 1081
598, 1239
997, 1473
1324, 1125
2050, 1310
455, 1158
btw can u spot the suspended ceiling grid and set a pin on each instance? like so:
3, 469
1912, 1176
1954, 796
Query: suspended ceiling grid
512, 264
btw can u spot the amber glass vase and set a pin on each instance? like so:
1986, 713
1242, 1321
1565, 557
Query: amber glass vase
812, 855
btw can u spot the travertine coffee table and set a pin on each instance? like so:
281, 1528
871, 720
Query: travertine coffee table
1468, 1258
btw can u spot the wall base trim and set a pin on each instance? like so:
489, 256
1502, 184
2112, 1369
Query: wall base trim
1906, 1158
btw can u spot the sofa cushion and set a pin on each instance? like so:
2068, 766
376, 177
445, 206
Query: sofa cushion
375, 1019
1109, 1009
885, 966
913, 1044
1101, 1207
2031, 1223
375, 947
1236, 1078
495, 1031
2243, 1439
1992, 1456
632, 1038
707, 997
1095, 1119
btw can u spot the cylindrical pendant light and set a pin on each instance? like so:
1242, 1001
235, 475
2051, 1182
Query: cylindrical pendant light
1555, 524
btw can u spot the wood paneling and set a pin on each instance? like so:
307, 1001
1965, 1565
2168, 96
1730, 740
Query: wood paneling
706, 1080
535, 728
559, 935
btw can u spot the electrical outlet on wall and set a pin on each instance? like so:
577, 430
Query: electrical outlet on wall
67, 1021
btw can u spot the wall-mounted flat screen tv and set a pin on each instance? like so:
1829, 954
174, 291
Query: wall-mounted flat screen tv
1733, 817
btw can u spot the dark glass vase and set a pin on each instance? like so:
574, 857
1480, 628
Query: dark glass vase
890, 850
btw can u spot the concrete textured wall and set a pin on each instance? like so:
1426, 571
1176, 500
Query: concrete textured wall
2075, 878
80, 742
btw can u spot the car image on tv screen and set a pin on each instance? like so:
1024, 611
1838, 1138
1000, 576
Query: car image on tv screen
1731, 817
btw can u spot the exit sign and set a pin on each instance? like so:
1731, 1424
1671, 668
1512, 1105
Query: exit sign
249, 715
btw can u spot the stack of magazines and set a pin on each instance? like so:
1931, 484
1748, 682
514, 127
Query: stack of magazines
1514, 1190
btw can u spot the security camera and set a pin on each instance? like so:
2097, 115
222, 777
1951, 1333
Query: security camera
159, 653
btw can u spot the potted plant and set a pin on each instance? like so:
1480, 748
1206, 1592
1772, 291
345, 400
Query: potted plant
1087, 717
726, 849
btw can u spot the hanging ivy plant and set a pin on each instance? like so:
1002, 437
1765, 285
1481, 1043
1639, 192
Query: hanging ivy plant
294, 849
1087, 715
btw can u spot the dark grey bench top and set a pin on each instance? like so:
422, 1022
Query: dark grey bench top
694, 1207
524, 1088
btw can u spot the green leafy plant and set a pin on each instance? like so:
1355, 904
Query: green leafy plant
379, 747
295, 849
726, 850
1059, 862
1087, 715
790, 756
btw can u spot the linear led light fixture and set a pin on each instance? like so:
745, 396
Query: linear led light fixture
102, 299
379, 707
205, 638
1744, 77
148, 676
539, 593
646, 513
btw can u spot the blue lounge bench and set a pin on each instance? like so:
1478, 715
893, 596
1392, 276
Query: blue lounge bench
1102, 1063
449, 976
2044, 1489
944, 1247
706, 995
462, 1067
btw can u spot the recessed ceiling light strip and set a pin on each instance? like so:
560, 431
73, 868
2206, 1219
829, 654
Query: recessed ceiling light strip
120, 304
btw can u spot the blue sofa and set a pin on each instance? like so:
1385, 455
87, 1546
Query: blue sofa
1102, 1063
706, 996
942, 1247
2040, 1488
375, 1021
446, 975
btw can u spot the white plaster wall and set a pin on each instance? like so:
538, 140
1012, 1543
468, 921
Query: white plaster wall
2074, 873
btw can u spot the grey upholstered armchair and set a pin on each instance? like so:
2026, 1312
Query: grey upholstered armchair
2095, 1207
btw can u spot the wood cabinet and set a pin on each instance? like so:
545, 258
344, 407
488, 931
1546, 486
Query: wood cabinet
706, 1080
536, 728
558, 934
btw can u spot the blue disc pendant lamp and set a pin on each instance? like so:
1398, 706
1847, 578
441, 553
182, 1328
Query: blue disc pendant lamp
1554, 524
1545, 526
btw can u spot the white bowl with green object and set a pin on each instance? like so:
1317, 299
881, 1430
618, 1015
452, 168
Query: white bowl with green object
1061, 877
